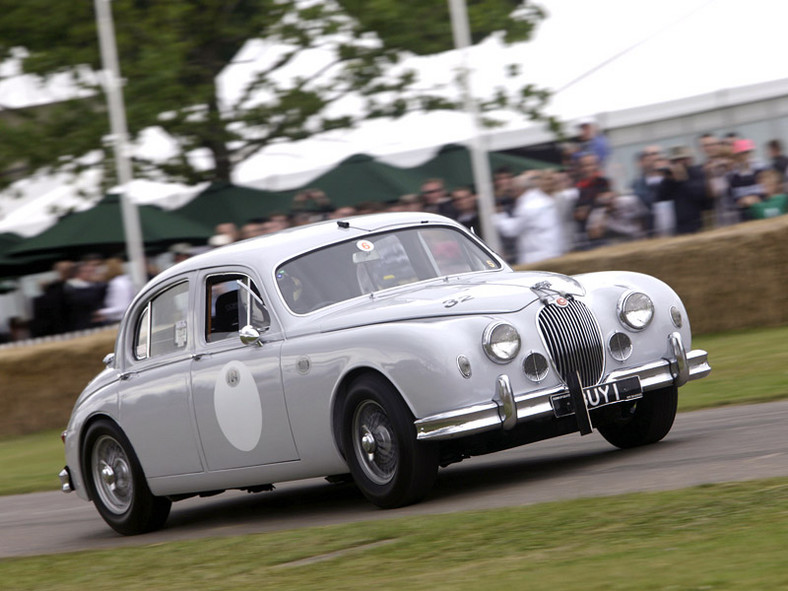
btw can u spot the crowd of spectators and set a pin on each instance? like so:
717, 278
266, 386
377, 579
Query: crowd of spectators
84, 294
540, 214
547, 212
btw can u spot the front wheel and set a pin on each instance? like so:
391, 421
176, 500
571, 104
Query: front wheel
390, 466
117, 484
647, 421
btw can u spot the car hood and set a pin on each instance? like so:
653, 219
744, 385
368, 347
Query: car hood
483, 293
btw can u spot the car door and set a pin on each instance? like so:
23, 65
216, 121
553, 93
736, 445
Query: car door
237, 389
155, 397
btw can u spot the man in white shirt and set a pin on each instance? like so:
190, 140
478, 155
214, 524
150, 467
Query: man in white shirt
535, 220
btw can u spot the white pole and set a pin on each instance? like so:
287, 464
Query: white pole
479, 162
117, 119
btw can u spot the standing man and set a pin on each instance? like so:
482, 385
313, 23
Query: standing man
716, 166
592, 141
778, 160
436, 200
591, 185
467, 211
744, 188
646, 185
535, 221
684, 185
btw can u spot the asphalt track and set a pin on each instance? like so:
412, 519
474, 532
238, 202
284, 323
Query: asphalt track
719, 445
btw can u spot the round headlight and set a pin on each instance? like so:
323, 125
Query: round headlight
635, 309
501, 342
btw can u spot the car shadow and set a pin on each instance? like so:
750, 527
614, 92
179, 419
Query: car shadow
317, 502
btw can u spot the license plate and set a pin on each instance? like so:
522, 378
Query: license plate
599, 396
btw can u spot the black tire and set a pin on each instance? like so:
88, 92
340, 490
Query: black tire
390, 466
645, 422
117, 484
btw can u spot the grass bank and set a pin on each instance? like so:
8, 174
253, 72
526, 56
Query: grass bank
747, 367
729, 536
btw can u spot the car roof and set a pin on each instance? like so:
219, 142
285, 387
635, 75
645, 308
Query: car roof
270, 250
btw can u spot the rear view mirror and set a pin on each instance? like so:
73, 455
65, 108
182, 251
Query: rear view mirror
366, 256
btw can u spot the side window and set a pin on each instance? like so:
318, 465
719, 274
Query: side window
163, 326
232, 301
142, 336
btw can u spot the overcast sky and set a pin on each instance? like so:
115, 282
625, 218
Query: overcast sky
667, 49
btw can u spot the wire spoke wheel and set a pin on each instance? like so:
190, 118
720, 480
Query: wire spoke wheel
116, 482
112, 474
375, 442
388, 464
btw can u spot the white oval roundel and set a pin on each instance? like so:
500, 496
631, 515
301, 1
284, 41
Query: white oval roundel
237, 404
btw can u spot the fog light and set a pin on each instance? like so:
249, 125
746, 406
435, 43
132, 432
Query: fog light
620, 346
535, 367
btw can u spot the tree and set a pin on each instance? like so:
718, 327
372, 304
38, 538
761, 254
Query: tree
171, 53
393, 21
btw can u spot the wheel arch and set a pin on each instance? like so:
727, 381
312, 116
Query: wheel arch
83, 467
341, 392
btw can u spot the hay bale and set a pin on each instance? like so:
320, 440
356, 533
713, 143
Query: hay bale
41, 382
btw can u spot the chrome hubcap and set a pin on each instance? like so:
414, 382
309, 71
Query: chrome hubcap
375, 442
112, 474
368, 443
108, 474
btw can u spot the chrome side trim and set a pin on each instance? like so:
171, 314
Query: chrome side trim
487, 417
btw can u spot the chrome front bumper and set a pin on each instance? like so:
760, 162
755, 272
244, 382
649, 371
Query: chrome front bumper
505, 409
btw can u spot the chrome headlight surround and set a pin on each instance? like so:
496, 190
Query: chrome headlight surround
501, 341
635, 310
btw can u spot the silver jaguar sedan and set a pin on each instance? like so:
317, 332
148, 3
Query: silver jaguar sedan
379, 346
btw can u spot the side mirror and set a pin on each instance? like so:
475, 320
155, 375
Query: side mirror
249, 335
109, 360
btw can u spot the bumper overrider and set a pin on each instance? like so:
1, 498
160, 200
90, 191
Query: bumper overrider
506, 409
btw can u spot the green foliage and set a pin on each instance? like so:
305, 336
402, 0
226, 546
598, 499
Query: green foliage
171, 53
394, 21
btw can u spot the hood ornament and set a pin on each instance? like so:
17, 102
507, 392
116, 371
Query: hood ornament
547, 295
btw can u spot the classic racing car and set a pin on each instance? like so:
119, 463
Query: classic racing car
382, 346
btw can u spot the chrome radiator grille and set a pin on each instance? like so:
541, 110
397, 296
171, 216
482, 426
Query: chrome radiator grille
573, 339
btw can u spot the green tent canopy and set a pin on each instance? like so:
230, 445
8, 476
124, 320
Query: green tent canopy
452, 163
361, 178
100, 230
21, 265
357, 179
226, 202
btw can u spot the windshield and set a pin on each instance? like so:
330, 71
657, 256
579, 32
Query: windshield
380, 261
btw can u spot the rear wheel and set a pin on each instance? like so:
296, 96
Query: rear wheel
390, 466
647, 421
117, 484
